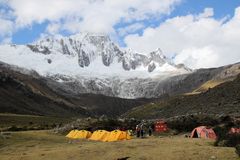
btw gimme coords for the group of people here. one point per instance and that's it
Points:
(141, 130)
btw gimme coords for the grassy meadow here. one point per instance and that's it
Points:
(16, 122)
(39, 145)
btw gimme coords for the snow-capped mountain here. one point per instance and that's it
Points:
(92, 63)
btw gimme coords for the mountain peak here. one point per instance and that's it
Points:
(89, 54)
(160, 53)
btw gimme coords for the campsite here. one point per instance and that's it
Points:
(71, 142)
(39, 145)
(119, 80)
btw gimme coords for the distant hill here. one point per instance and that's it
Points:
(25, 92)
(224, 99)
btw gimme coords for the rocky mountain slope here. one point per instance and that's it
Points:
(195, 82)
(88, 75)
(224, 99)
(92, 63)
(25, 92)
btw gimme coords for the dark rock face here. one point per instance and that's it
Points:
(126, 65)
(37, 49)
(151, 67)
(49, 61)
(64, 48)
(159, 58)
(83, 59)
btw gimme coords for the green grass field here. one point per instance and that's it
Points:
(17, 122)
(39, 145)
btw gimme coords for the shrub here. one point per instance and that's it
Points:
(14, 128)
(232, 140)
(188, 123)
(225, 138)
(238, 149)
(221, 133)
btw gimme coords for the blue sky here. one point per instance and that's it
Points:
(199, 33)
(221, 8)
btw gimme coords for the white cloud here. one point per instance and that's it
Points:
(6, 30)
(208, 12)
(192, 37)
(87, 15)
(5, 27)
(53, 28)
(198, 40)
(198, 57)
(130, 29)
(6, 40)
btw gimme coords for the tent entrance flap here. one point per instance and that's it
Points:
(195, 134)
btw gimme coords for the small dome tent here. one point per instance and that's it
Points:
(117, 135)
(203, 132)
(99, 135)
(82, 134)
(71, 134)
(76, 134)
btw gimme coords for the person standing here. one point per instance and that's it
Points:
(142, 130)
(150, 130)
(138, 131)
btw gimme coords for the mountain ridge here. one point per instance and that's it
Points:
(22, 93)
(92, 63)
(93, 53)
(223, 100)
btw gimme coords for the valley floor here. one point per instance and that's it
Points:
(39, 145)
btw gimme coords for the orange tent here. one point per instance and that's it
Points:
(203, 132)
(99, 135)
(117, 135)
(82, 134)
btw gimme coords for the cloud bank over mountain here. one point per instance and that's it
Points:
(195, 39)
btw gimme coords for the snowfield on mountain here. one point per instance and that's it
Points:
(92, 63)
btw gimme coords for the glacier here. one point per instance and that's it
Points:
(92, 63)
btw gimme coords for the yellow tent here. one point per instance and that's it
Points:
(99, 135)
(71, 134)
(117, 135)
(82, 134)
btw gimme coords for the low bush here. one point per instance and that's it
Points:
(226, 139)
(238, 149)
(188, 123)
(14, 128)
(232, 140)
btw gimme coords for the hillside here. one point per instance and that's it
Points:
(224, 99)
(25, 92)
